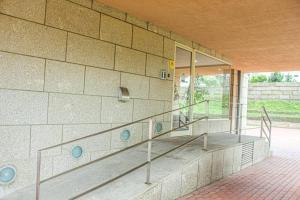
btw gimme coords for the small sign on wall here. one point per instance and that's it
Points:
(171, 64)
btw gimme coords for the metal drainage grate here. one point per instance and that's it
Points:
(247, 153)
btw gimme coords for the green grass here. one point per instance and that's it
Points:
(278, 110)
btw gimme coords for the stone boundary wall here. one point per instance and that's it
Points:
(274, 91)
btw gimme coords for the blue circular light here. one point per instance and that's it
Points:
(77, 151)
(7, 174)
(125, 135)
(158, 127)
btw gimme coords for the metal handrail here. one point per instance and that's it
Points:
(121, 126)
(149, 140)
(264, 116)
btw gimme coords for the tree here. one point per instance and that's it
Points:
(276, 77)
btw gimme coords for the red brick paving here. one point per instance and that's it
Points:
(276, 178)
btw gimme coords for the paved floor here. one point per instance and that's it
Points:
(273, 179)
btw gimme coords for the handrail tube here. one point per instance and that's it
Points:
(267, 115)
(118, 127)
(266, 134)
(117, 152)
(133, 169)
(264, 120)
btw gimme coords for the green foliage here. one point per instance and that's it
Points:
(276, 77)
(289, 78)
(258, 79)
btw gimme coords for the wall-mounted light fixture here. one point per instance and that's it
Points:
(8, 174)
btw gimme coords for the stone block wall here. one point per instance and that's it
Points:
(274, 91)
(61, 63)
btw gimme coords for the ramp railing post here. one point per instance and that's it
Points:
(261, 123)
(149, 151)
(38, 176)
(207, 125)
(240, 122)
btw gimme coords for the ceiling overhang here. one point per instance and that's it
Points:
(255, 35)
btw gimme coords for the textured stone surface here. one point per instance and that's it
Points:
(44, 136)
(21, 72)
(155, 65)
(68, 109)
(96, 143)
(114, 111)
(138, 22)
(64, 77)
(129, 60)
(217, 165)
(237, 159)
(159, 30)
(88, 51)
(182, 40)
(136, 134)
(171, 187)
(72, 17)
(138, 86)
(33, 10)
(169, 48)
(101, 82)
(147, 41)
(259, 151)
(15, 141)
(29, 38)
(20, 107)
(108, 10)
(160, 89)
(228, 161)
(116, 31)
(86, 3)
(146, 108)
(205, 166)
(189, 178)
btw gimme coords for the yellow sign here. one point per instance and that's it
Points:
(171, 64)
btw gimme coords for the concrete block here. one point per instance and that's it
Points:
(88, 51)
(237, 159)
(100, 7)
(168, 107)
(153, 193)
(147, 41)
(44, 136)
(15, 142)
(145, 108)
(21, 72)
(64, 77)
(114, 111)
(101, 82)
(155, 65)
(205, 167)
(72, 17)
(115, 31)
(20, 107)
(71, 109)
(138, 86)
(138, 22)
(228, 161)
(31, 39)
(92, 144)
(160, 89)
(217, 165)
(129, 60)
(259, 151)
(182, 40)
(171, 186)
(86, 3)
(136, 134)
(32, 10)
(159, 30)
(169, 48)
(189, 178)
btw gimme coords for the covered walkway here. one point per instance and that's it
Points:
(275, 178)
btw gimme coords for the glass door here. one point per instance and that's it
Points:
(182, 90)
